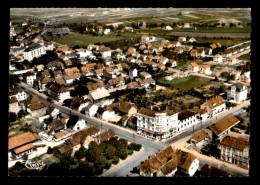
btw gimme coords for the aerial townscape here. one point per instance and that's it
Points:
(129, 92)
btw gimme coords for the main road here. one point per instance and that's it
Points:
(150, 147)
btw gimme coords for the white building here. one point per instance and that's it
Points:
(106, 31)
(168, 28)
(15, 91)
(91, 110)
(75, 123)
(36, 50)
(237, 92)
(214, 106)
(29, 78)
(133, 73)
(145, 75)
(156, 125)
(218, 58)
(186, 119)
(58, 92)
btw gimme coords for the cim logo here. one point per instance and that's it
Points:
(32, 165)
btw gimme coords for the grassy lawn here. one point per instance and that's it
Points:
(216, 30)
(245, 57)
(186, 83)
(223, 42)
(18, 29)
(86, 39)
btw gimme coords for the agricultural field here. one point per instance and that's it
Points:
(186, 83)
(245, 57)
(86, 39)
(223, 42)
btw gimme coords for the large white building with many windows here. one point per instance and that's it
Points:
(156, 125)
(35, 50)
(237, 92)
(187, 119)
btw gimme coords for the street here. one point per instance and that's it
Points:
(150, 147)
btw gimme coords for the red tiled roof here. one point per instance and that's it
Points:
(234, 142)
(24, 148)
(22, 139)
(200, 136)
(59, 134)
(224, 124)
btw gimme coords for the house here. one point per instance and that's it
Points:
(65, 149)
(52, 111)
(218, 58)
(60, 80)
(222, 127)
(54, 126)
(178, 50)
(164, 163)
(213, 46)
(173, 63)
(23, 144)
(182, 39)
(235, 150)
(161, 66)
(125, 108)
(91, 109)
(156, 125)
(109, 72)
(214, 106)
(144, 83)
(191, 40)
(78, 103)
(98, 95)
(237, 92)
(132, 122)
(194, 53)
(187, 163)
(205, 69)
(67, 62)
(186, 119)
(116, 82)
(105, 52)
(199, 138)
(85, 136)
(201, 53)
(105, 113)
(71, 78)
(145, 75)
(62, 48)
(245, 78)
(58, 92)
(208, 51)
(106, 135)
(72, 70)
(227, 53)
(193, 67)
(98, 86)
(149, 63)
(168, 28)
(202, 115)
(35, 106)
(75, 123)
(211, 171)
(41, 82)
(133, 73)
(164, 60)
(145, 39)
(167, 162)
(128, 29)
(16, 91)
(133, 85)
(131, 51)
(33, 51)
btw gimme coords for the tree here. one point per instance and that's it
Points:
(86, 168)
(25, 157)
(49, 150)
(110, 152)
(115, 160)
(94, 152)
(37, 126)
(223, 24)
(12, 116)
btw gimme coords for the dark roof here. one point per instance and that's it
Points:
(58, 88)
(82, 134)
(146, 111)
(208, 170)
(56, 125)
(64, 149)
(77, 101)
(185, 114)
(123, 106)
(72, 120)
(106, 135)
(234, 142)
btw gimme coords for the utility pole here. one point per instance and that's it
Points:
(134, 137)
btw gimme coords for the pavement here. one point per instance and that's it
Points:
(150, 147)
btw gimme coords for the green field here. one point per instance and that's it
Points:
(245, 57)
(216, 30)
(223, 42)
(86, 39)
(18, 29)
(185, 83)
